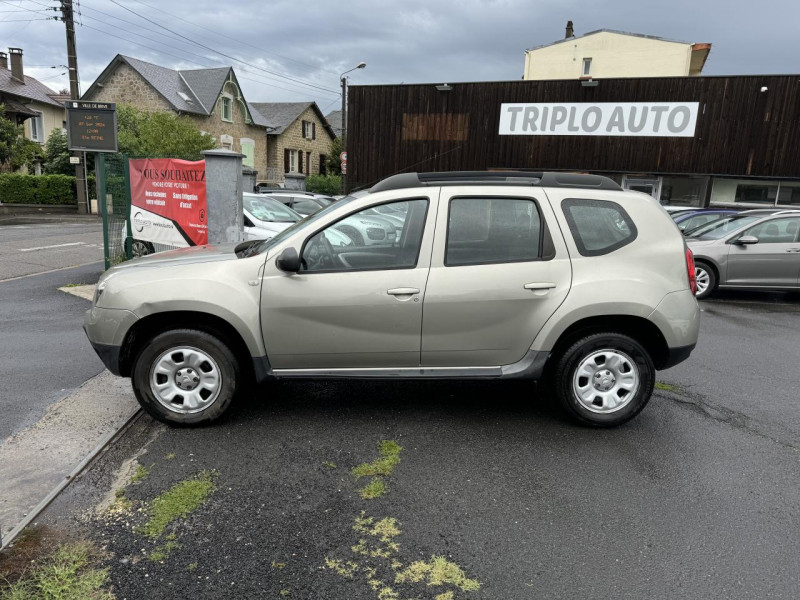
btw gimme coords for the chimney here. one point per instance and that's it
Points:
(570, 31)
(3, 61)
(16, 64)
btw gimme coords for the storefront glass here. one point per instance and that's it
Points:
(755, 192)
(683, 191)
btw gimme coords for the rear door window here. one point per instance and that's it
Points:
(492, 230)
(598, 226)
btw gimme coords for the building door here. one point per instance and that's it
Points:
(651, 187)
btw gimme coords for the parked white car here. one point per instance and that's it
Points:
(264, 217)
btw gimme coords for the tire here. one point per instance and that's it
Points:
(195, 368)
(706, 274)
(604, 379)
(141, 248)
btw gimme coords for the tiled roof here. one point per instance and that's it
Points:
(191, 91)
(281, 114)
(335, 119)
(32, 89)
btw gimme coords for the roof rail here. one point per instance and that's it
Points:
(788, 211)
(519, 178)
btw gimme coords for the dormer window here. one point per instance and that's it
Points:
(185, 97)
(227, 109)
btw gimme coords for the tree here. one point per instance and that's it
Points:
(15, 149)
(143, 133)
(56, 155)
(334, 162)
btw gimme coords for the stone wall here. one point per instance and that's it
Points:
(292, 138)
(126, 86)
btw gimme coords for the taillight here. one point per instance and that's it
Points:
(690, 271)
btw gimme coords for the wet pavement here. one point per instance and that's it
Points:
(696, 498)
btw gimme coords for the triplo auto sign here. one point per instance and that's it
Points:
(642, 119)
(168, 201)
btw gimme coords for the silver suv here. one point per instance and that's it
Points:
(494, 275)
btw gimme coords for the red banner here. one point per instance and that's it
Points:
(168, 201)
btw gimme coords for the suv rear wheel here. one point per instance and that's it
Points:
(185, 377)
(604, 379)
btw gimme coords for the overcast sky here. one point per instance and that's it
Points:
(291, 51)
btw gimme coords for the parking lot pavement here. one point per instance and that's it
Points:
(693, 499)
(28, 246)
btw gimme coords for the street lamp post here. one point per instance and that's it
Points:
(343, 79)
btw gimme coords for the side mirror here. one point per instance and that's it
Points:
(288, 261)
(746, 240)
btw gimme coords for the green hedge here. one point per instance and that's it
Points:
(16, 188)
(324, 184)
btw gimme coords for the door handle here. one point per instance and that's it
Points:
(539, 286)
(402, 291)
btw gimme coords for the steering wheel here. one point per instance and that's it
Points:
(320, 254)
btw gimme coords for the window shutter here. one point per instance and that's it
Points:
(308, 163)
(285, 160)
(299, 161)
(313, 131)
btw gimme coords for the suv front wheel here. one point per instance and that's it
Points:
(185, 377)
(604, 379)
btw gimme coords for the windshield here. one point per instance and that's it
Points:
(265, 208)
(265, 245)
(719, 229)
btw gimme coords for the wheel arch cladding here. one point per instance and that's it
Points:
(147, 327)
(640, 329)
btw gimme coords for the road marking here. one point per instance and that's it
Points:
(53, 246)
(97, 262)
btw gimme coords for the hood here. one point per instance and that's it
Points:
(182, 256)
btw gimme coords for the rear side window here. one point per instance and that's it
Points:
(492, 230)
(598, 226)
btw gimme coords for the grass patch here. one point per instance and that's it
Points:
(373, 489)
(72, 285)
(170, 456)
(329, 464)
(141, 473)
(178, 502)
(160, 553)
(445, 596)
(667, 387)
(438, 571)
(192, 566)
(384, 465)
(344, 568)
(67, 574)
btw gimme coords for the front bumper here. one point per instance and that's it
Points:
(106, 329)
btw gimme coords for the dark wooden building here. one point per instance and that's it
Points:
(743, 145)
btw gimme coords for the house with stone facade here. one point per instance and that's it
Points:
(299, 139)
(28, 101)
(212, 98)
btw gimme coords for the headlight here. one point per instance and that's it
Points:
(99, 292)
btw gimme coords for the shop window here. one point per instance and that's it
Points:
(756, 193)
(789, 193)
(683, 191)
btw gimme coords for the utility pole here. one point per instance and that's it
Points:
(344, 130)
(74, 94)
(343, 78)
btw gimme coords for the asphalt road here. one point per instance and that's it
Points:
(696, 498)
(44, 354)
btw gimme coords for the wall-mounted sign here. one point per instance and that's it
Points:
(168, 201)
(92, 126)
(636, 119)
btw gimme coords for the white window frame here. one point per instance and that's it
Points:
(293, 161)
(248, 161)
(586, 67)
(39, 137)
(229, 101)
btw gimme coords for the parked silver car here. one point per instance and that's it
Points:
(495, 275)
(751, 250)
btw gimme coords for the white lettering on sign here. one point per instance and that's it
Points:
(638, 119)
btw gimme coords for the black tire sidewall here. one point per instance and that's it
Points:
(577, 352)
(214, 347)
(712, 279)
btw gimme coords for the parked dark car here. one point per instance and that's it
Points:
(688, 221)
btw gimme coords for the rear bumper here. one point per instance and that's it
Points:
(677, 355)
